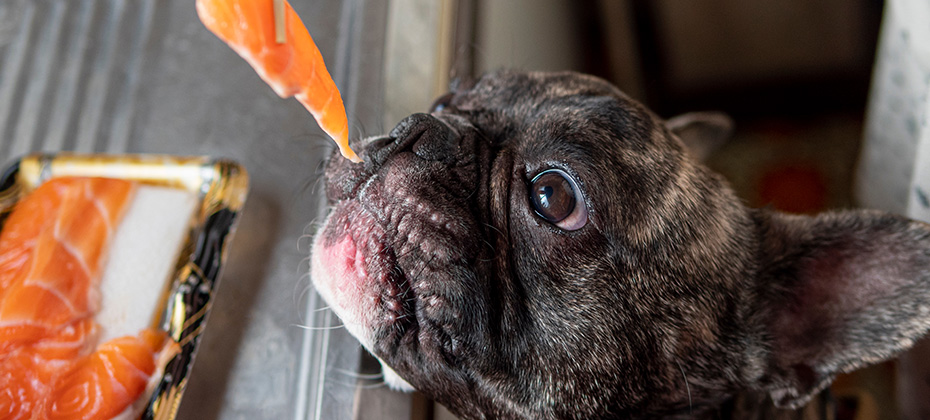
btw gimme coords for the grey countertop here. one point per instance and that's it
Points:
(145, 76)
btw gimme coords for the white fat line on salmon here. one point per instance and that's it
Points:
(18, 322)
(95, 200)
(126, 363)
(82, 261)
(55, 292)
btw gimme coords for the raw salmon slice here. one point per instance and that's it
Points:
(102, 384)
(28, 373)
(52, 250)
(22, 229)
(292, 68)
(55, 282)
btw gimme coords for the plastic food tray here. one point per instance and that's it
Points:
(221, 187)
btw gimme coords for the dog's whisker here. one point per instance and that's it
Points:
(494, 228)
(404, 254)
(358, 375)
(424, 266)
(309, 328)
(298, 297)
(313, 227)
(375, 385)
(307, 238)
(687, 386)
(357, 385)
(318, 182)
(303, 268)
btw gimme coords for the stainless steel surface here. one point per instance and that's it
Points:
(145, 76)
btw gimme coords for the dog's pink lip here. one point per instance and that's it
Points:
(355, 271)
(344, 260)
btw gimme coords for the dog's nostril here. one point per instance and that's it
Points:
(377, 149)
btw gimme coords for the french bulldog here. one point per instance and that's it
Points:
(541, 246)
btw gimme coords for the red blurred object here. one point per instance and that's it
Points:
(796, 188)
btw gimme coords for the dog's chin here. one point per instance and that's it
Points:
(355, 270)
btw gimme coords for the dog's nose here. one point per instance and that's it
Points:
(426, 136)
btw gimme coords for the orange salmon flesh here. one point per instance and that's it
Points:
(292, 68)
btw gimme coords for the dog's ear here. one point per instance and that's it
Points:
(838, 291)
(702, 132)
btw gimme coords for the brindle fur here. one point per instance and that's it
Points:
(673, 300)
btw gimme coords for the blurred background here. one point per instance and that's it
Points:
(793, 74)
(799, 78)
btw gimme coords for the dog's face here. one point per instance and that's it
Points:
(541, 246)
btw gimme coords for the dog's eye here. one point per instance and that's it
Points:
(556, 198)
(441, 103)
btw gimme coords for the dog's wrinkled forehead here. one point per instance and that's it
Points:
(509, 89)
(511, 105)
